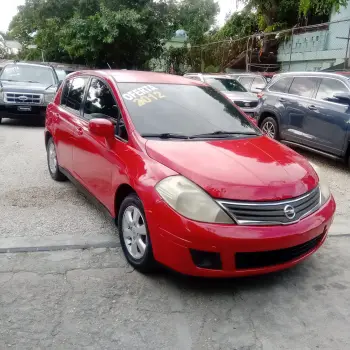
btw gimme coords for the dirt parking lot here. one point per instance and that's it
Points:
(92, 299)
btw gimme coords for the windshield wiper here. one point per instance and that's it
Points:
(8, 80)
(223, 134)
(166, 135)
(31, 81)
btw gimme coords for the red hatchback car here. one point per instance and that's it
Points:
(190, 181)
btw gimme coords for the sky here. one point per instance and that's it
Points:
(9, 9)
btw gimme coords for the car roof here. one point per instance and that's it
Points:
(29, 64)
(208, 75)
(130, 76)
(313, 74)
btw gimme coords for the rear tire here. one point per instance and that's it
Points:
(270, 127)
(134, 236)
(0, 120)
(52, 161)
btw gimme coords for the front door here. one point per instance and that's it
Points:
(328, 120)
(95, 162)
(299, 108)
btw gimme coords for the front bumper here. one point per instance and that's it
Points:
(22, 111)
(174, 237)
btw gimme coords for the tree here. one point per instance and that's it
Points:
(279, 14)
(123, 33)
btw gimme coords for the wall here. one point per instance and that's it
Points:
(317, 50)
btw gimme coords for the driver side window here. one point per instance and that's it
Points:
(100, 103)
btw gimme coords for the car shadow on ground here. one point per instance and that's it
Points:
(29, 122)
(208, 286)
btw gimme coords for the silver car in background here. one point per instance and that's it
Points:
(231, 88)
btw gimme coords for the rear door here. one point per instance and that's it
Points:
(299, 106)
(328, 119)
(65, 117)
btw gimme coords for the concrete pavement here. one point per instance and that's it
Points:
(91, 299)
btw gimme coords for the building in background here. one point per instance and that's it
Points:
(321, 47)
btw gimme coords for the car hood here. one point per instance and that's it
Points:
(240, 96)
(254, 169)
(12, 86)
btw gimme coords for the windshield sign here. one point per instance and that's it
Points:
(223, 84)
(30, 74)
(186, 110)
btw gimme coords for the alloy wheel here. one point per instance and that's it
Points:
(269, 129)
(134, 232)
(52, 158)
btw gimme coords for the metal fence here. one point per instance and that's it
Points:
(311, 48)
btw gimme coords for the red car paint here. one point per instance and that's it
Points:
(250, 169)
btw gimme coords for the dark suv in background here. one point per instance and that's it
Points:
(310, 110)
(26, 89)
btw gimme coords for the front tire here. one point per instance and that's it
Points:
(134, 236)
(52, 161)
(270, 127)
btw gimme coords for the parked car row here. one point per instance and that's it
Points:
(231, 88)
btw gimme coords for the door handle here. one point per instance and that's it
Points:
(312, 108)
(56, 117)
(80, 131)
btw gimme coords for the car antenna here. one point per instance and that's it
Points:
(109, 66)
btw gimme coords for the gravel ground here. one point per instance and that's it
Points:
(32, 204)
(91, 299)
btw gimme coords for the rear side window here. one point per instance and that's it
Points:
(281, 85)
(73, 93)
(303, 86)
(246, 82)
(258, 83)
(329, 87)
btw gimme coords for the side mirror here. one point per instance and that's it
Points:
(342, 97)
(102, 127)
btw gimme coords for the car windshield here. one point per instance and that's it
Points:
(184, 110)
(27, 73)
(224, 84)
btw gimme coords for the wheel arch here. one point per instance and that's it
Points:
(266, 114)
(48, 135)
(121, 193)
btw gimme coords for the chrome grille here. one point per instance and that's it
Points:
(273, 213)
(23, 98)
(246, 104)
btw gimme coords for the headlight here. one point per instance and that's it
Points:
(49, 97)
(191, 201)
(323, 183)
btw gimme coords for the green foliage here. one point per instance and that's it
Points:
(320, 7)
(240, 24)
(124, 33)
(212, 69)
